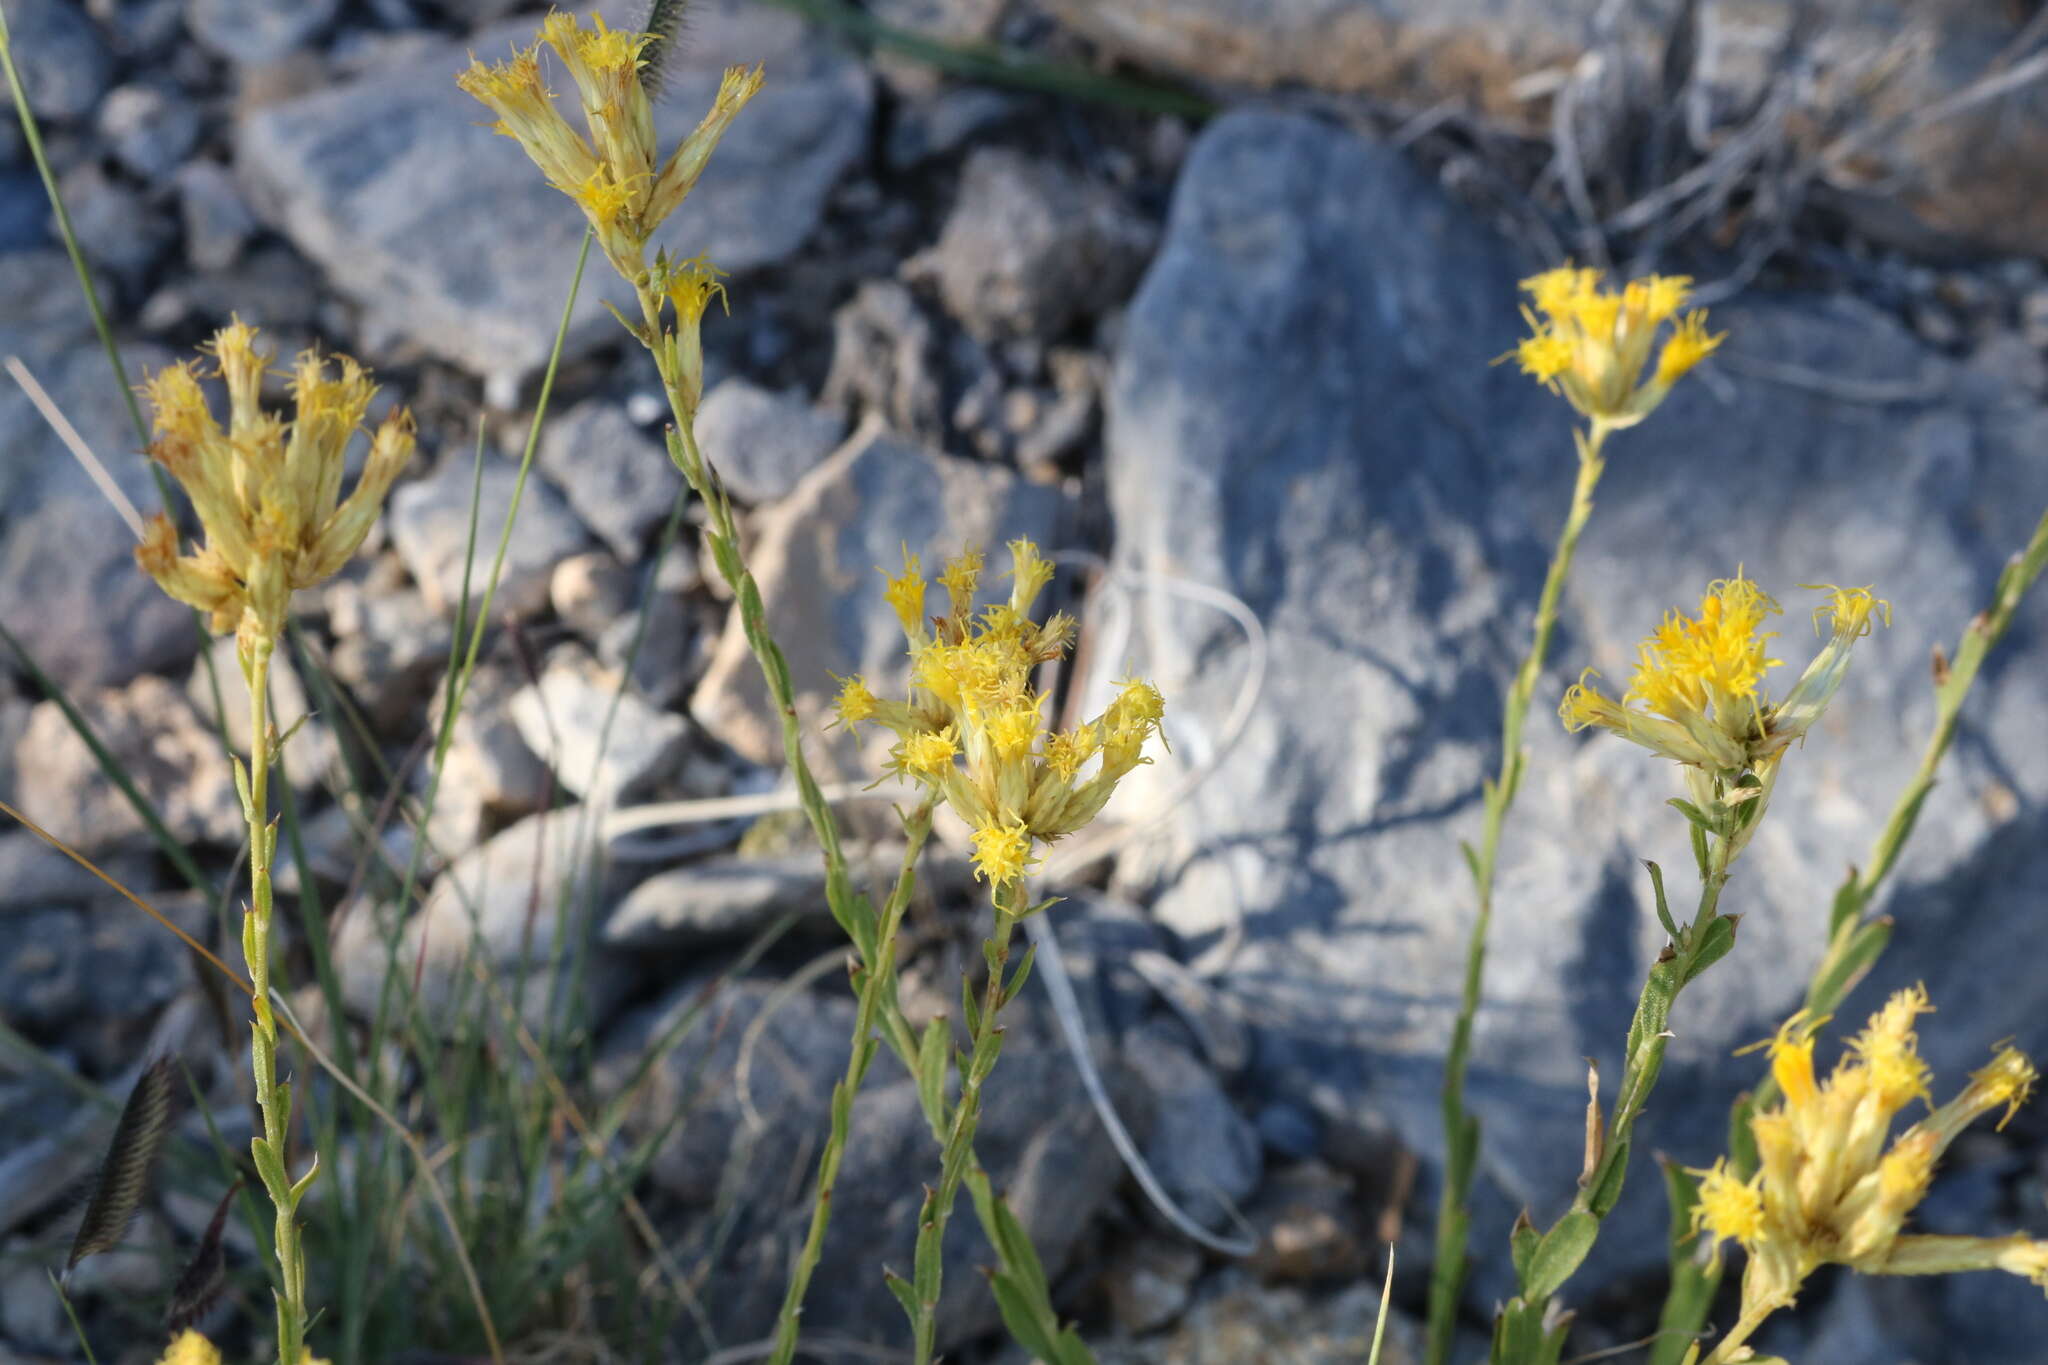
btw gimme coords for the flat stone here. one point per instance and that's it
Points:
(94, 979)
(115, 227)
(603, 741)
(218, 224)
(1205, 1153)
(816, 558)
(394, 185)
(1038, 1137)
(762, 442)
(389, 646)
(590, 591)
(251, 32)
(429, 522)
(173, 759)
(665, 658)
(523, 900)
(617, 477)
(69, 587)
(1391, 533)
(491, 775)
(63, 57)
(150, 129)
(1240, 1322)
(728, 897)
(1029, 247)
(717, 900)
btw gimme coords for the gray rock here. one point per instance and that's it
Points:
(116, 228)
(1240, 1322)
(217, 223)
(394, 185)
(816, 561)
(429, 522)
(923, 130)
(1038, 1137)
(251, 32)
(1029, 248)
(603, 741)
(64, 62)
(732, 896)
(590, 592)
(150, 129)
(1205, 1153)
(884, 360)
(521, 902)
(717, 900)
(308, 753)
(1302, 414)
(491, 775)
(760, 442)
(337, 850)
(94, 978)
(617, 477)
(69, 588)
(33, 875)
(174, 760)
(389, 646)
(665, 658)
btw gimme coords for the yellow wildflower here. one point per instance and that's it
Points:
(267, 493)
(1592, 346)
(1828, 1188)
(1700, 681)
(189, 1348)
(1729, 1209)
(1002, 852)
(613, 169)
(856, 703)
(972, 699)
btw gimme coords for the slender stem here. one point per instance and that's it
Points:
(984, 1043)
(273, 1099)
(1461, 1128)
(1740, 1333)
(876, 980)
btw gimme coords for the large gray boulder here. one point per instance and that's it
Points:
(1303, 413)
(395, 186)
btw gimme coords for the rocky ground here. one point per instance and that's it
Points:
(1246, 351)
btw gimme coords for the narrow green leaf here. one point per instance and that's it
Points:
(1842, 970)
(1472, 862)
(905, 1294)
(1018, 1317)
(931, 1067)
(1663, 906)
(1712, 947)
(1607, 1191)
(271, 1169)
(1560, 1253)
(1014, 1244)
(1522, 1242)
(1741, 1141)
(1021, 975)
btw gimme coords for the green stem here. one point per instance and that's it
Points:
(272, 1098)
(984, 1044)
(1461, 1128)
(876, 982)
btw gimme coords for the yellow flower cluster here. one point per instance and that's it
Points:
(1699, 680)
(1592, 346)
(192, 1348)
(973, 729)
(268, 494)
(1830, 1188)
(616, 174)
